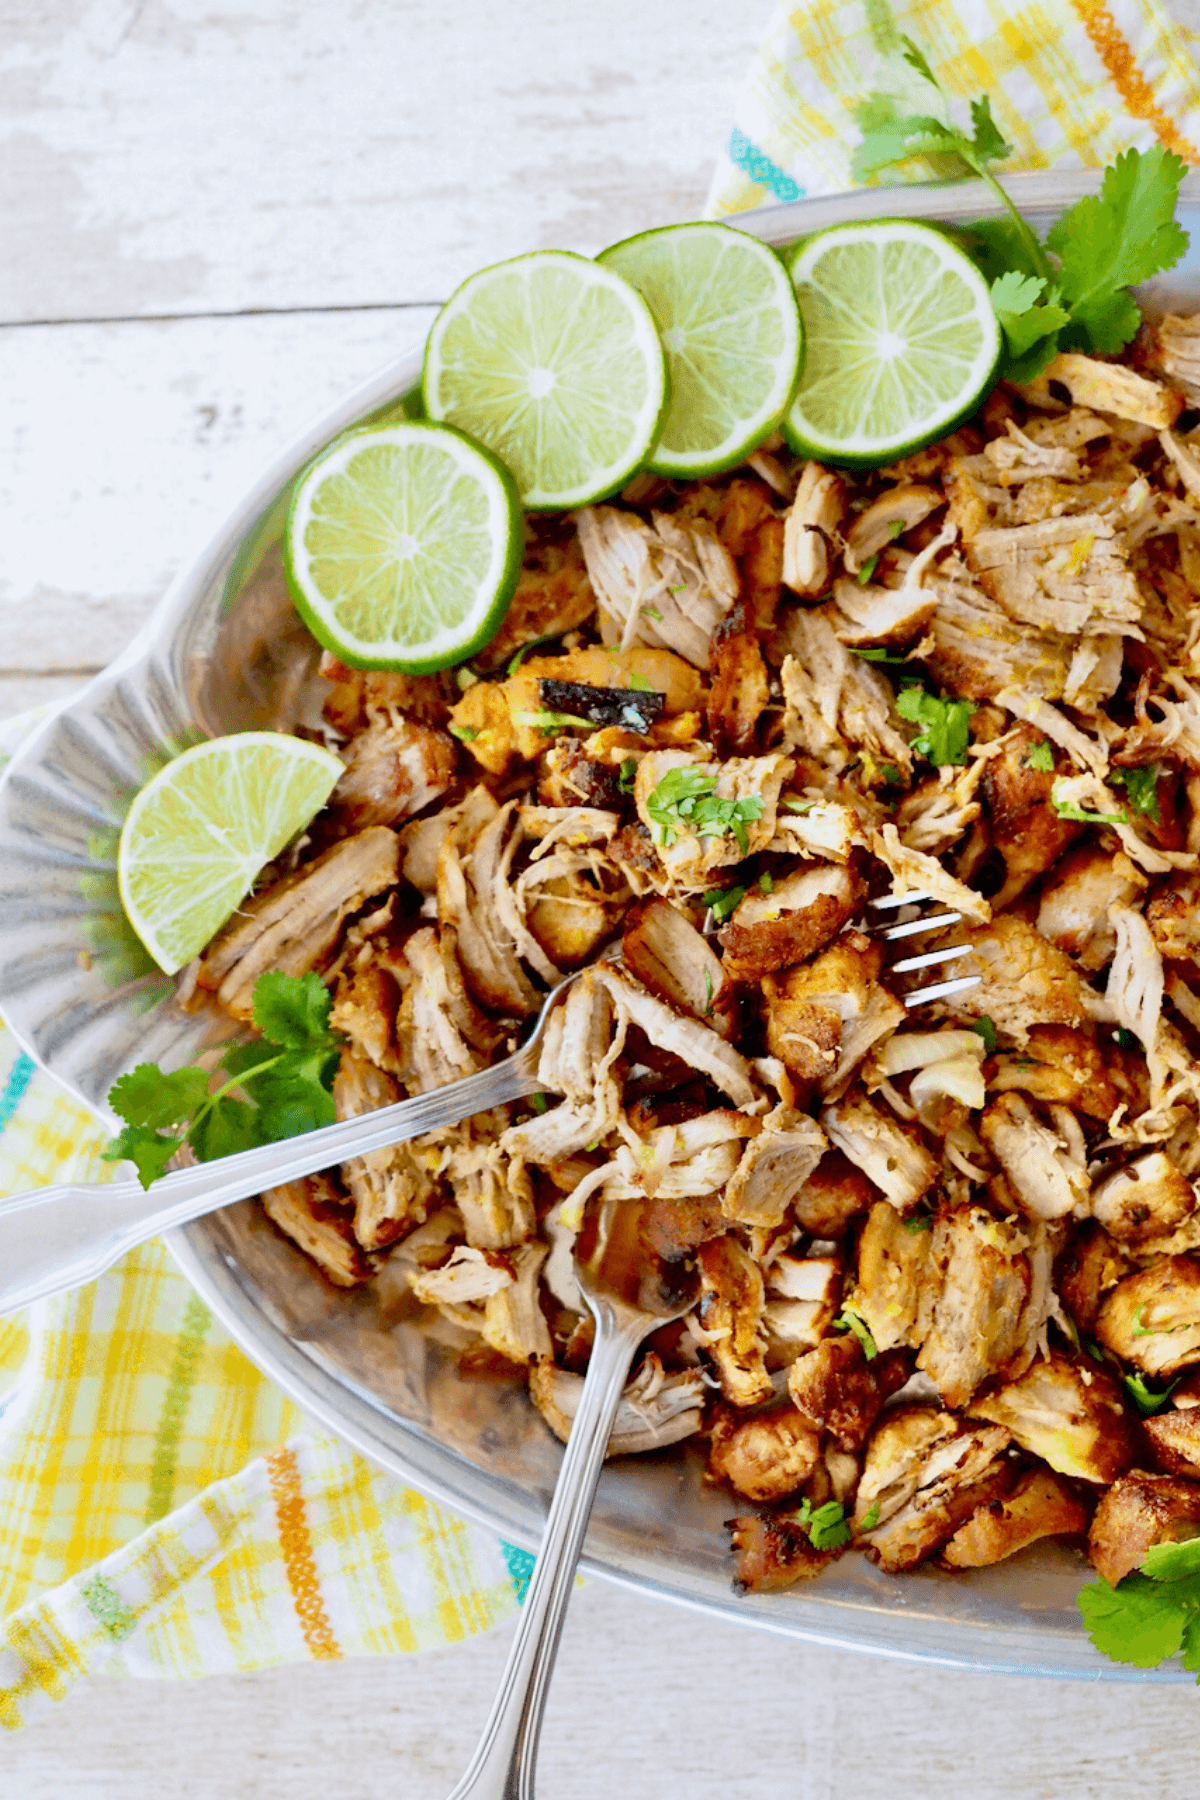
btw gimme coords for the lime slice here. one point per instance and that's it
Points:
(403, 547)
(729, 321)
(556, 365)
(200, 830)
(900, 341)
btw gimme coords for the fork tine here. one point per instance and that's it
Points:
(893, 900)
(930, 958)
(916, 925)
(941, 989)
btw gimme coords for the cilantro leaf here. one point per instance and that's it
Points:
(1067, 809)
(1148, 1400)
(944, 733)
(1041, 756)
(148, 1097)
(1173, 1562)
(1110, 241)
(626, 777)
(149, 1151)
(1030, 325)
(870, 1517)
(826, 1525)
(986, 1028)
(1142, 787)
(223, 1128)
(293, 1011)
(688, 797)
(1134, 1622)
(723, 901)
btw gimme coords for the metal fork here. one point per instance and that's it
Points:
(53, 1239)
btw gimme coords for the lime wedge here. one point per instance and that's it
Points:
(901, 342)
(403, 547)
(200, 830)
(729, 321)
(556, 365)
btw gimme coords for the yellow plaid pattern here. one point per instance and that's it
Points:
(164, 1511)
(1072, 82)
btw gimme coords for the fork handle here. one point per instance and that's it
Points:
(502, 1767)
(56, 1238)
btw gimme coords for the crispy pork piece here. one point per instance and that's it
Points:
(655, 1409)
(1077, 897)
(809, 1006)
(834, 1388)
(1071, 1414)
(1152, 1319)
(871, 615)
(802, 1296)
(934, 816)
(1173, 915)
(693, 1042)
(1026, 981)
(314, 1214)
(357, 695)
(1109, 388)
(730, 1313)
(1183, 458)
(676, 962)
(924, 1475)
(294, 925)
(1148, 1198)
(831, 1196)
(810, 527)
(364, 1010)
(1175, 1437)
(890, 1154)
(823, 828)
(1024, 827)
(1041, 1505)
(1062, 1066)
(836, 704)
(765, 1458)
(773, 1552)
(740, 688)
(774, 1167)
(1138, 1512)
(976, 1330)
(393, 769)
(978, 651)
(583, 1038)
(686, 1161)
(392, 1189)
(687, 853)
(493, 1193)
(439, 1033)
(799, 916)
(1175, 351)
(896, 1285)
(665, 584)
(1047, 1166)
(1017, 458)
(914, 872)
(472, 864)
(1088, 1266)
(880, 524)
(513, 1321)
(553, 595)
(467, 1277)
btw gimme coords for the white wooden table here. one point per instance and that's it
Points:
(214, 220)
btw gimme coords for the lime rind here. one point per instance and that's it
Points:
(909, 286)
(403, 547)
(730, 323)
(199, 832)
(555, 365)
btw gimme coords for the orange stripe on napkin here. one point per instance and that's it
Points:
(1112, 47)
(296, 1545)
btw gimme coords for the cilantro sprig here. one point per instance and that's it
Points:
(1142, 787)
(275, 1089)
(1152, 1614)
(827, 1526)
(1071, 292)
(688, 797)
(944, 724)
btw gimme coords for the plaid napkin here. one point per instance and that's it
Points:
(164, 1510)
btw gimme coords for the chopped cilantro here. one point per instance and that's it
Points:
(944, 724)
(878, 653)
(723, 901)
(626, 777)
(1152, 1614)
(276, 1089)
(1041, 756)
(687, 796)
(1067, 809)
(1148, 1400)
(1142, 787)
(789, 803)
(895, 527)
(649, 612)
(766, 883)
(468, 733)
(708, 993)
(918, 1222)
(552, 721)
(826, 1525)
(538, 1103)
(595, 1143)
(868, 569)
(848, 1320)
(870, 1518)
(986, 1027)
(640, 683)
(465, 678)
(1128, 1040)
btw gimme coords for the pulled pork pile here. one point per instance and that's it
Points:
(950, 1260)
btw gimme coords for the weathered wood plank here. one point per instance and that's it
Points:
(122, 447)
(175, 158)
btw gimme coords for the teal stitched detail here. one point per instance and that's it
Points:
(19, 1077)
(116, 1620)
(759, 167)
(520, 1567)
